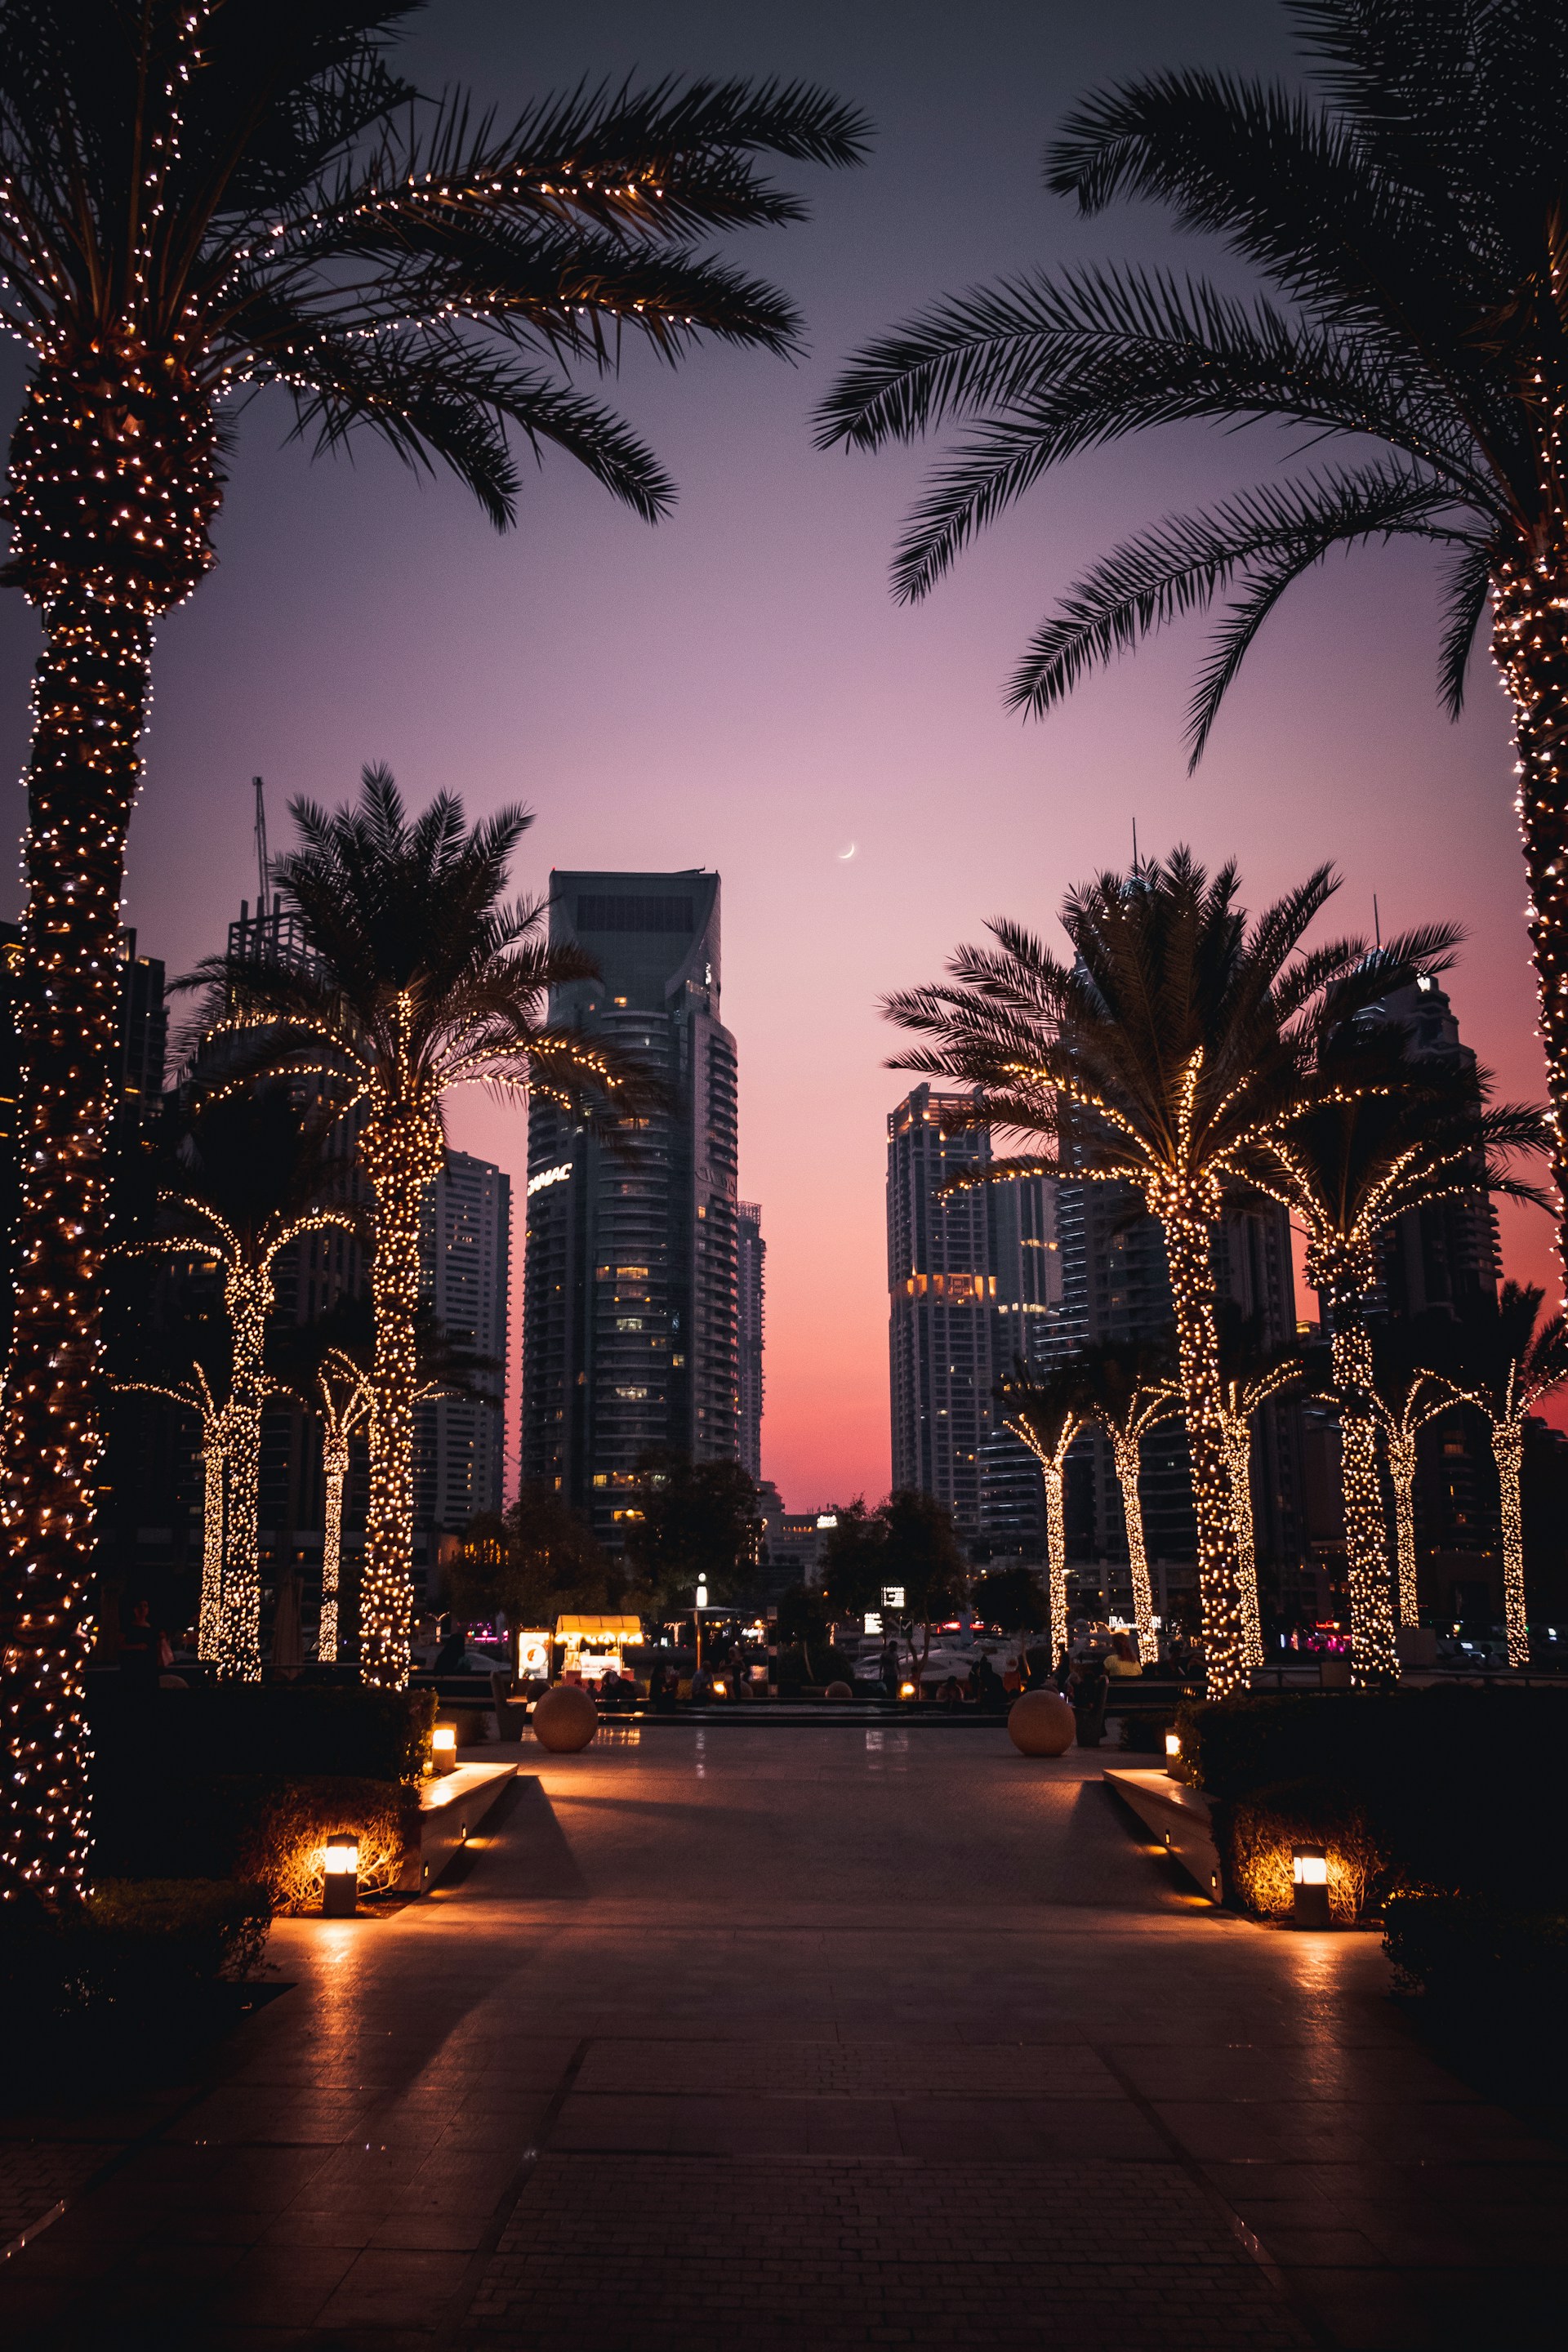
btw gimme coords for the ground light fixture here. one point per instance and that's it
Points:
(444, 1747)
(1310, 1873)
(1173, 1745)
(906, 1690)
(340, 1889)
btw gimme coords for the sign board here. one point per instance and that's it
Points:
(892, 1596)
(873, 1620)
(533, 1655)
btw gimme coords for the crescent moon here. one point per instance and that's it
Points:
(846, 854)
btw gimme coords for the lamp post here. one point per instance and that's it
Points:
(1310, 1871)
(339, 1890)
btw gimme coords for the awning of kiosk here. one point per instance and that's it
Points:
(608, 1632)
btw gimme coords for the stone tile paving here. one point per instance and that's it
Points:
(772, 2038)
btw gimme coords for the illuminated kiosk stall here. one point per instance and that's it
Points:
(595, 1646)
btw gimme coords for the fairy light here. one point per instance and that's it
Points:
(1342, 1268)
(1127, 1455)
(195, 1396)
(1507, 1410)
(1423, 1399)
(1243, 1399)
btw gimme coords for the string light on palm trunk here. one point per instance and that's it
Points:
(1191, 1266)
(344, 1402)
(1374, 1655)
(1126, 1452)
(1508, 1451)
(1402, 1478)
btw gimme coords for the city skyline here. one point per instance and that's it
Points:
(736, 690)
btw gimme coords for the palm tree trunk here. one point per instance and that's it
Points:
(89, 700)
(1125, 1452)
(209, 1623)
(247, 1297)
(1374, 1656)
(1057, 1547)
(1197, 1346)
(1508, 1451)
(1401, 1476)
(1530, 645)
(402, 1157)
(1238, 1458)
(335, 1464)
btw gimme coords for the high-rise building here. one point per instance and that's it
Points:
(973, 1284)
(631, 1317)
(465, 1271)
(751, 1253)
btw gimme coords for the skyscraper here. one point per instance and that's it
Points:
(750, 1256)
(972, 1283)
(630, 1277)
(465, 1269)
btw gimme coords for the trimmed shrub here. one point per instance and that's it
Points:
(283, 1845)
(202, 1927)
(1470, 1950)
(134, 1953)
(1255, 1834)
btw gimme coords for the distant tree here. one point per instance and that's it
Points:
(855, 1562)
(537, 1561)
(1011, 1598)
(922, 1555)
(1130, 1390)
(803, 1623)
(699, 1525)
(1048, 1414)
(1251, 1375)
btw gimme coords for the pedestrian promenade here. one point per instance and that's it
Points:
(842, 2038)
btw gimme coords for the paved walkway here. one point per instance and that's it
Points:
(757, 2039)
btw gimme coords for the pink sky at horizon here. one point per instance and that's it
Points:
(736, 690)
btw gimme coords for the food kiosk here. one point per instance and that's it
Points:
(595, 1646)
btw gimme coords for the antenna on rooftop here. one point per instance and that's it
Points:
(262, 898)
(1376, 923)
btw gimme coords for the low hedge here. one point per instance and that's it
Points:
(300, 1729)
(258, 1827)
(1472, 1949)
(132, 1953)
(1256, 1835)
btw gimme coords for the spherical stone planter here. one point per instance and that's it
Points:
(839, 1690)
(564, 1718)
(1041, 1723)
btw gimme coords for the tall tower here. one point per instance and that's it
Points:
(630, 1275)
(465, 1270)
(750, 1256)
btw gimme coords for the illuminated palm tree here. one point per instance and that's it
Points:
(1511, 1362)
(1403, 1403)
(1128, 1390)
(1249, 1379)
(253, 1172)
(1178, 1034)
(417, 979)
(1399, 1134)
(342, 1400)
(193, 1395)
(198, 202)
(1049, 1415)
(1411, 234)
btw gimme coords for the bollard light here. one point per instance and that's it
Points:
(1309, 1872)
(720, 1690)
(906, 1690)
(444, 1747)
(1173, 1745)
(339, 1891)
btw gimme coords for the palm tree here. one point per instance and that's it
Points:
(1128, 1390)
(1250, 1378)
(1403, 1403)
(342, 1400)
(1390, 1136)
(417, 979)
(253, 1174)
(1412, 234)
(1178, 1033)
(193, 1395)
(1049, 1415)
(1510, 1361)
(199, 203)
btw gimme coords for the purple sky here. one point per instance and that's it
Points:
(735, 689)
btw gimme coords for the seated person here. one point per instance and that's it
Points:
(1123, 1657)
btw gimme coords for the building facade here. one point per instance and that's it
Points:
(465, 1272)
(973, 1284)
(631, 1274)
(750, 1257)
